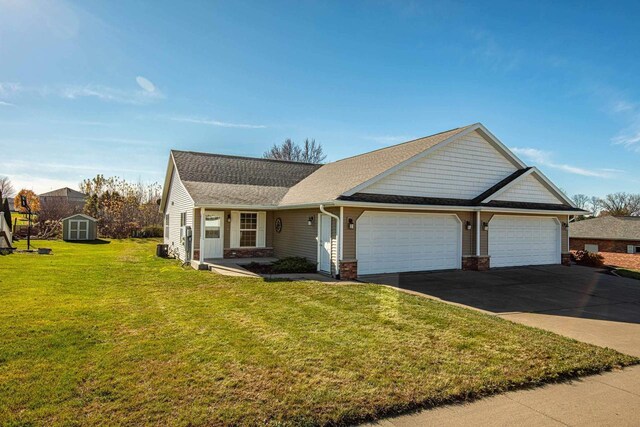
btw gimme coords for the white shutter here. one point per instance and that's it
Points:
(262, 227)
(235, 229)
(631, 249)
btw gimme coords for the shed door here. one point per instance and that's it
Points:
(391, 242)
(523, 240)
(78, 229)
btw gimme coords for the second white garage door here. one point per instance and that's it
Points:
(388, 242)
(518, 240)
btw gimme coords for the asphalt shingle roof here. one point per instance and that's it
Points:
(64, 192)
(607, 227)
(214, 179)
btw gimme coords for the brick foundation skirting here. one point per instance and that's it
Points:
(604, 245)
(247, 252)
(348, 270)
(476, 263)
(566, 259)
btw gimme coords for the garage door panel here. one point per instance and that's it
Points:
(517, 241)
(395, 242)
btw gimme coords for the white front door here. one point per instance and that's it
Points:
(324, 240)
(393, 242)
(212, 234)
(523, 240)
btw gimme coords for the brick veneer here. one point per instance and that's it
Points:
(566, 259)
(604, 245)
(348, 269)
(247, 252)
(196, 254)
(477, 263)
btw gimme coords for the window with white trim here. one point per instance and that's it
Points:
(166, 225)
(183, 222)
(248, 229)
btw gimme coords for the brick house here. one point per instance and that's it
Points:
(619, 234)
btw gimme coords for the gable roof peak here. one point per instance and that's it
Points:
(231, 156)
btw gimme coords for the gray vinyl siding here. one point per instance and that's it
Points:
(297, 237)
(178, 201)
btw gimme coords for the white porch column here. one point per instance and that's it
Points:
(478, 226)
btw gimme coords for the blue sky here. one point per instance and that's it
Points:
(109, 87)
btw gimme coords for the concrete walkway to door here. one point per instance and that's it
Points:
(587, 304)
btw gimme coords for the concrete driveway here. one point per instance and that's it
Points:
(584, 303)
(587, 304)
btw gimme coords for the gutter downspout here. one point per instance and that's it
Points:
(338, 237)
(478, 225)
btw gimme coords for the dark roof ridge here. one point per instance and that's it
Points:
(500, 185)
(231, 156)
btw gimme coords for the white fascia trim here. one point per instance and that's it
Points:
(171, 167)
(392, 206)
(495, 140)
(509, 185)
(412, 159)
(82, 215)
(264, 207)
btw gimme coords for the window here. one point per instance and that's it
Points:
(183, 222)
(166, 225)
(212, 225)
(248, 229)
(638, 249)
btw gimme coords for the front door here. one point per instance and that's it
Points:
(324, 240)
(212, 234)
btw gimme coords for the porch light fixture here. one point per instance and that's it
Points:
(310, 220)
(468, 225)
(485, 226)
(228, 217)
(350, 223)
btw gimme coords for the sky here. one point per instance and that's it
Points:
(109, 87)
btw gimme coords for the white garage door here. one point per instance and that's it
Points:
(517, 240)
(388, 242)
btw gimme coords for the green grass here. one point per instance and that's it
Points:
(108, 334)
(627, 272)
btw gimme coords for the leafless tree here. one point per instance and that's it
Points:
(6, 187)
(620, 204)
(581, 201)
(309, 152)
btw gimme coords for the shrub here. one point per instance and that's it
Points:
(589, 259)
(151, 231)
(293, 265)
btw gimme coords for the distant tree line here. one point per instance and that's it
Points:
(616, 204)
(123, 209)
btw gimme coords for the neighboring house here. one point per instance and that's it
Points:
(79, 227)
(459, 199)
(607, 234)
(64, 195)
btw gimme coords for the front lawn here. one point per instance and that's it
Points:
(107, 334)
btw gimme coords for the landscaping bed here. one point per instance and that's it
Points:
(291, 265)
(626, 272)
(111, 334)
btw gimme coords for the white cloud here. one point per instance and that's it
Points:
(73, 91)
(217, 123)
(145, 84)
(544, 158)
(6, 104)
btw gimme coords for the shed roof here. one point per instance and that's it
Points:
(607, 227)
(83, 216)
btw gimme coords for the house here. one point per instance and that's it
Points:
(64, 195)
(607, 234)
(458, 199)
(79, 227)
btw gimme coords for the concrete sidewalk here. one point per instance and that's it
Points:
(610, 399)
